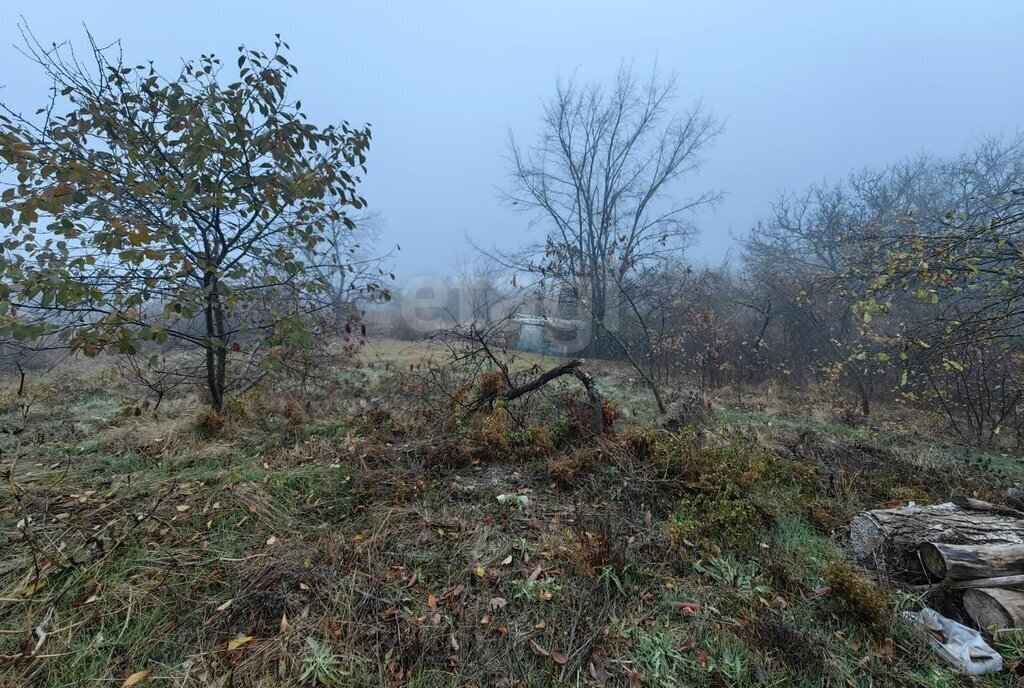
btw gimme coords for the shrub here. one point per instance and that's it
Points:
(564, 469)
(209, 423)
(641, 444)
(856, 597)
(736, 489)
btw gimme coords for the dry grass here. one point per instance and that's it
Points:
(346, 534)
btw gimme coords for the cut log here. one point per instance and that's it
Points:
(997, 582)
(995, 608)
(886, 540)
(966, 562)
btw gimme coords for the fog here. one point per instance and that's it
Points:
(807, 90)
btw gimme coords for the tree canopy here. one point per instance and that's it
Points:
(142, 208)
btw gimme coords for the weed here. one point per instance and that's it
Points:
(538, 590)
(642, 444)
(320, 666)
(565, 468)
(209, 423)
(856, 597)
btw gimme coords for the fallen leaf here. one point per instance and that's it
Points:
(598, 672)
(559, 658)
(507, 560)
(239, 642)
(34, 587)
(272, 540)
(688, 607)
(136, 678)
(225, 605)
(497, 603)
(183, 507)
(885, 649)
(284, 622)
(432, 601)
(538, 649)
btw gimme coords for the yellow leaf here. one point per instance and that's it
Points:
(34, 587)
(239, 642)
(135, 678)
(225, 605)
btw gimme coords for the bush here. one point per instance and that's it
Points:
(737, 489)
(855, 597)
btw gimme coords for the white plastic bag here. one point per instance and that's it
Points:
(959, 645)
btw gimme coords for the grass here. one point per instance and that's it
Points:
(324, 537)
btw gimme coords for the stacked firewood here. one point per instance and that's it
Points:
(969, 545)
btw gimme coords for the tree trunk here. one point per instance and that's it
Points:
(887, 539)
(995, 608)
(966, 562)
(216, 346)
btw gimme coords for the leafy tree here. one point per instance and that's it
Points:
(142, 210)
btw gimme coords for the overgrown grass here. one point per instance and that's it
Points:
(323, 537)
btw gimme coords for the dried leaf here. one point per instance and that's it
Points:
(239, 642)
(34, 587)
(225, 605)
(688, 607)
(559, 658)
(497, 603)
(537, 649)
(598, 672)
(136, 678)
(432, 601)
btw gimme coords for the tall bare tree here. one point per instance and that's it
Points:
(601, 179)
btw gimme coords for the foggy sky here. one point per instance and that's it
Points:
(809, 90)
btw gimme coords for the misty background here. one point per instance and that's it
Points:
(807, 90)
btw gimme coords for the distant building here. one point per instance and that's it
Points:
(550, 336)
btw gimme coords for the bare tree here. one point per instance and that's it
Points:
(599, 179)
(479, 292)
(347, 260)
